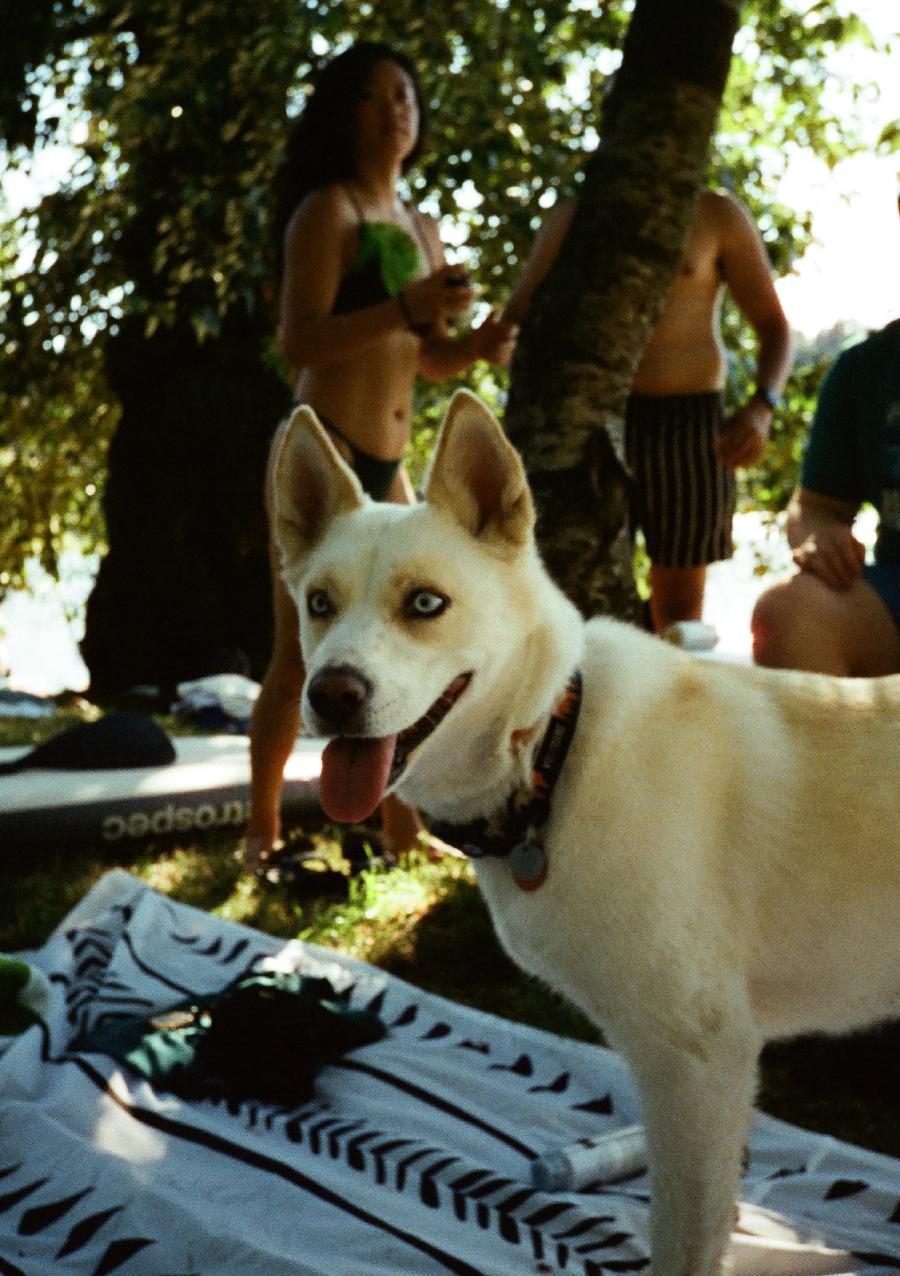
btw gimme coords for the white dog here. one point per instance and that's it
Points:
(719, 861)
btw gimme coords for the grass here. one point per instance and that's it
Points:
(426, 923)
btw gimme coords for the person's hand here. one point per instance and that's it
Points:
(494, 340)
(743, 438)
(444, 294)
(833, 554)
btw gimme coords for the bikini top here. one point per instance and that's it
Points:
(387, 259)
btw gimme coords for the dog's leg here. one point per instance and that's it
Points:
(696, 1103)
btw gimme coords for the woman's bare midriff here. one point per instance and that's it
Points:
(369, 398)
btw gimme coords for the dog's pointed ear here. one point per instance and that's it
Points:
(477, 476)
(311, 485)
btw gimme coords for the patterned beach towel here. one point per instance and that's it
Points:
(412, 1155)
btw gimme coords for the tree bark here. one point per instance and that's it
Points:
(586, 329)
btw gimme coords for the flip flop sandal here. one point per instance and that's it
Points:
(362, 849)
(304, 873)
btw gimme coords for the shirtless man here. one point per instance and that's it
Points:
(681, 451)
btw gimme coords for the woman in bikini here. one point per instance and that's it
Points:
(365, 299)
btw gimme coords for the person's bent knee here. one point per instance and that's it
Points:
(768, 625)
(783, 615)
(801, 623)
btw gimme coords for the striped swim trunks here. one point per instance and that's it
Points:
(682, 499)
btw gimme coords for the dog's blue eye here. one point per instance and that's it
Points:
(318, 604)
(425, 603)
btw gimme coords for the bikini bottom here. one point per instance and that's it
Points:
(374, 474)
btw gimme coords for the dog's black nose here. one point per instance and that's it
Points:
(337, 695)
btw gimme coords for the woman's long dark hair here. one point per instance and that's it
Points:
(320, 147)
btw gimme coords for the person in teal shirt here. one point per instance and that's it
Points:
(838, 614)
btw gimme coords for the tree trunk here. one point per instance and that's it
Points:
(184, 590)
(586, 329)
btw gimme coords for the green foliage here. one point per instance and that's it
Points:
(174, 113)
(768, 485)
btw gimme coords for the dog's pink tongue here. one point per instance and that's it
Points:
(354, 777)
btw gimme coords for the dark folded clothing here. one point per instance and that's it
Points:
(266, 1037)
(119, 740)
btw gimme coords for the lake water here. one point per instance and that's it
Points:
(40, 629)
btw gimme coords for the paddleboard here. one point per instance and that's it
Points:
(206, 790)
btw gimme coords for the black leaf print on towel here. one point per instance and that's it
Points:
(82, 1232)
(119, 1252)
(9, 1200)
(41, 1217)
(845, 1187)
(523, 1067)
(436, 1033)
(600, 1107)
(559, 1086)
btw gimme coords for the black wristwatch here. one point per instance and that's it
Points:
(768, 396)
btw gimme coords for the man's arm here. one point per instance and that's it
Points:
(748, 275)
(443, 356)
(544, 252)
(820, 532)
(494, 340)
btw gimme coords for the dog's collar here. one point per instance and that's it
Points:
(515, 831)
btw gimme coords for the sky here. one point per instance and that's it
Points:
(853, 271)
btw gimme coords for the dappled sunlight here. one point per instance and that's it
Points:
(763, 1239)
(202, 876)
(385, 907)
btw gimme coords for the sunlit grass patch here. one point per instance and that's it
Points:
(385, 906)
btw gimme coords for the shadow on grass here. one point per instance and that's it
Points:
(38, 886)
(845, 1086)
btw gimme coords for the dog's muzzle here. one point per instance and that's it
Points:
(413, 736)
(338, 695)
(357, 769)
